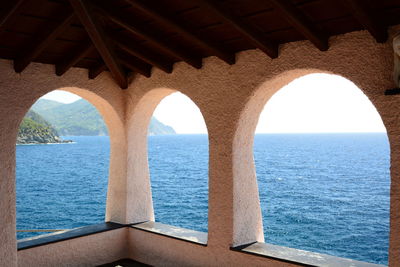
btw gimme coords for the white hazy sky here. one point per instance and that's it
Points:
(313, 103)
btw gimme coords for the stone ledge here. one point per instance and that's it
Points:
(301, 257)
(279, 253)
(66, 235)
(188, 235)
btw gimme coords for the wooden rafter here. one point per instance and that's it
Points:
(130, 24)
(367, 18)
(9, 12)
(96, 70)
(135, 64)
(43, 40)
(159, 33)
(393, 91)
(158, 14)
(130, 47)
(84, 12)
(301, 23)
(251, 34)
(73, 58)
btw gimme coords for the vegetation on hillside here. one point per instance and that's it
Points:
(36, 130)
(156, 128)
(77, 118)
(82, 118)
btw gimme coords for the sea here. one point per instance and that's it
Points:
(327, 193)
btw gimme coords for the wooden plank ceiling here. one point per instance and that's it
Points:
(133, 36)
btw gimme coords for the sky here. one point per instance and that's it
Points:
(319, 103)
(61, 96)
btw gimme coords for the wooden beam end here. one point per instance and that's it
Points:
(169, 69)
(19, 66)
(393, 91)
(231, 59)
(196, 63)
(383, 37)
(59, 70)
(123, 84)
(324, 46)
(273, 52)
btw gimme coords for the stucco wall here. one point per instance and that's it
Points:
(88, 250)
(17, 93)
(230, 99)
(144, 247)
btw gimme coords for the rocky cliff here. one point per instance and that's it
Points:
(36, 130)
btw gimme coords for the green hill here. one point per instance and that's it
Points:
(82, 118)
(156, 128)
(36, 130)
(44, 105)
(77, 118)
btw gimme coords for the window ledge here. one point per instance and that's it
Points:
(298, 256)
(66, 235)
(188, 235)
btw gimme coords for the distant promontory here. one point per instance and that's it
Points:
(36, 130)
(82, 118)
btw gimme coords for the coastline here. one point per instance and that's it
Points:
(33, 144)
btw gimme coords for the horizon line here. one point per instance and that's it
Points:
(367, 132)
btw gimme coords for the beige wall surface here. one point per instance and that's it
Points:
(88, 250)
(17, 93)
(158, 250)
(230, 99)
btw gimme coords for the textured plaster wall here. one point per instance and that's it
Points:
(89, 250)
(17, 93)
(230, 99)
(144, 247)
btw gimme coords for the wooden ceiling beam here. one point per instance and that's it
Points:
(11, 10)
(368, 18)
(253, 35)
(165, 19)
(73, 58)
(96, 70)
(135, 64)
(393, 91)
(84, 12)
(130, 47)
(301, 23)
(130, 24)
(43, 40)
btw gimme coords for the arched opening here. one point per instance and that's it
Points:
(61, 184)
(178, 163)
(322, 163)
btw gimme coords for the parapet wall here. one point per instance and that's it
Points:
(230, 97)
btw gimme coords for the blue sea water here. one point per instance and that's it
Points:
(62, 186)
(326, 193)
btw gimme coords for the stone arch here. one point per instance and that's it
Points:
(110, 116)
(247, 217)
(115, 206)
(18, 94)
(115, 126)
(139, 202)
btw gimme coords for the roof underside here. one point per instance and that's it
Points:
(133, 36)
